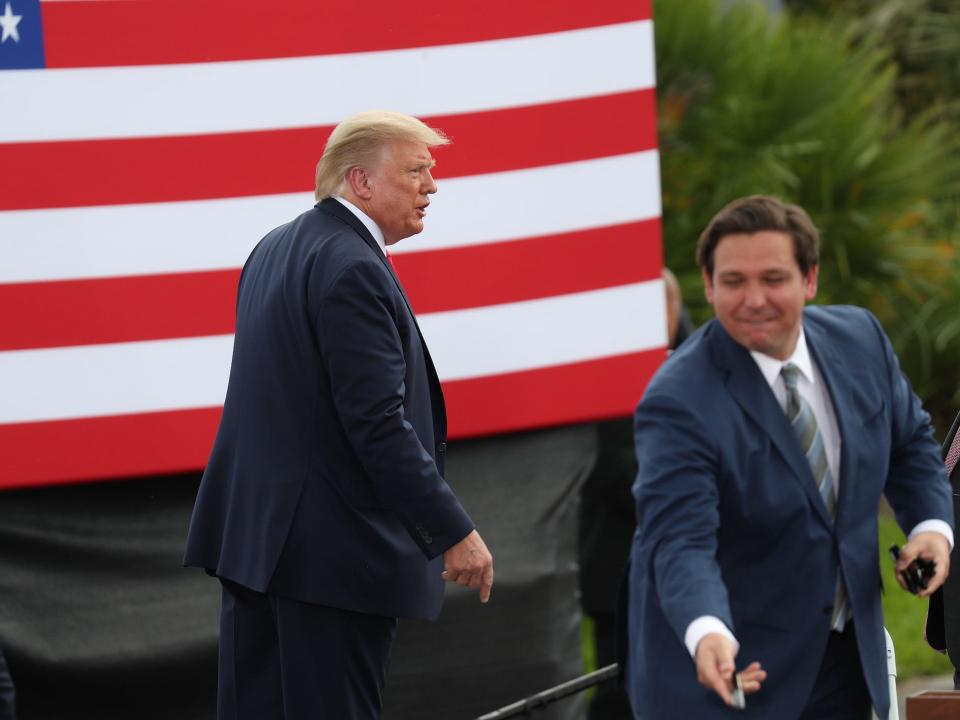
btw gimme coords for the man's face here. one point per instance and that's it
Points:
(401, 185)
(758, 291)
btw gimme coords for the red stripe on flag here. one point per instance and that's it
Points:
(91, 449)
(88, 33)
(164, 169)
(127, 309)
(529, 269)
(599, 389)
(118, 309)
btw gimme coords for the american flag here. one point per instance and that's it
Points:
(147, 145)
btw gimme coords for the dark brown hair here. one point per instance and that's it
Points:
(755, 213)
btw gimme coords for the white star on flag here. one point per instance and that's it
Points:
(9, 22)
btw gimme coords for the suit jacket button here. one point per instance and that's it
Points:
(424, 535)
(828, 609)
(442, 448)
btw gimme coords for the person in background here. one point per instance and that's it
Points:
(943, 616)
(607, 522)
(764, 445)
(323, 509)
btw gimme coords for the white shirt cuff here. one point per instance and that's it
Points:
(938, 526)
(704, 625)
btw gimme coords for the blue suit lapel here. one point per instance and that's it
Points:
(841, 384)
(749, 389)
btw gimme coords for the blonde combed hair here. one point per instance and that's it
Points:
(357, 139)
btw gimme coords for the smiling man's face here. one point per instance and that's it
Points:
(758, 291)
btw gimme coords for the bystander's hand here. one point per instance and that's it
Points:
(716, 667)
(470, 564)
(927, 546)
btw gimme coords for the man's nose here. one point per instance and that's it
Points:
(754, 296)
(430, 186)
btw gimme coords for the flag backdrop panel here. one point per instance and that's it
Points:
(147, 145)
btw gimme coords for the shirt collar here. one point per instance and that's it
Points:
(367, 221)
(770, 366)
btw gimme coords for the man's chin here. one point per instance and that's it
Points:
(760, 344)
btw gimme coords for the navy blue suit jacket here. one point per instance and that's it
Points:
(325, 480)
(730, 522)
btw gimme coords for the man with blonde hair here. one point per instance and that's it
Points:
(323, 509)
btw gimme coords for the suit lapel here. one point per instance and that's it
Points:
(335, 208)
(841, 382)
(749, 389)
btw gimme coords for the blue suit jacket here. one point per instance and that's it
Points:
(730, 522)
(325, 480)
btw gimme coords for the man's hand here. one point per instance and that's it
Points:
(715, 667)
(470, 564)
(927, 546)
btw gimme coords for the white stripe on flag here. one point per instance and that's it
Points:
(262, 94)
(538, 333)
(121, 378)
(114, 379)
(155, 238)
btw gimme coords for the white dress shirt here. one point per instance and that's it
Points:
(367, 221)
(814, 390)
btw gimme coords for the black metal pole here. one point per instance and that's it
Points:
(542, 699)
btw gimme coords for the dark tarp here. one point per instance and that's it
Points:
(98, 619)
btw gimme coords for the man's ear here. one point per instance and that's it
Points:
(707, 286)
(359, 181)
(810, 283)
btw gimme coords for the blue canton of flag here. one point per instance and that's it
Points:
(21, 35)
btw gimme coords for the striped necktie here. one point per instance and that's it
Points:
(953, 454)
(804, 424)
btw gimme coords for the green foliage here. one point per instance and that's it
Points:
(923, 37)
(806, 109)
(904, 616)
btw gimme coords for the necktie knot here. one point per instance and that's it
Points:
(791, 375)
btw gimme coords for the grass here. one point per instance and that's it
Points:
(589, 650)
(904, 617)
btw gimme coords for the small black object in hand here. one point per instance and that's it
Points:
(917, 574)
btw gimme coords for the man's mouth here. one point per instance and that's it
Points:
(422, 210)
(755, 320)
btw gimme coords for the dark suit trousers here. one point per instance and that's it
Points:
(281, 659)
(840, 692)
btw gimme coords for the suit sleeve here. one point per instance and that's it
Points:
(678, 517)
(917, 486)
(363, 356)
